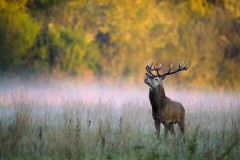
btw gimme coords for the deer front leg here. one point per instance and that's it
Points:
(157, 125)
(171, 128)
(165, 130)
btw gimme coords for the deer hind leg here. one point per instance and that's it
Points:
(157, 125)
(182, 128)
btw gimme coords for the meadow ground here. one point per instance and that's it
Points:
(96, 121)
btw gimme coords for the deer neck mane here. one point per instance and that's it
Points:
(157, 97)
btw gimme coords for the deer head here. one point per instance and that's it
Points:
(154, 80)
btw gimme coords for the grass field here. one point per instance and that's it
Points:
(91, 121)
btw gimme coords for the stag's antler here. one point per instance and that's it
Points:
(180, 68)
(153, 68)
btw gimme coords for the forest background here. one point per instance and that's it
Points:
(113, 39)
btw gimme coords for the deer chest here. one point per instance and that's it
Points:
(157, 115)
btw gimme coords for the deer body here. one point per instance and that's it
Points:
(164, 110)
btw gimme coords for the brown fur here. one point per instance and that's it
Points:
(166, 111)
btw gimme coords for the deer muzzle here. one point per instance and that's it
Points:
(146, 81)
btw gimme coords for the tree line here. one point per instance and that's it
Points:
(115, 38)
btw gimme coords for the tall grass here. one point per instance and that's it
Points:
(76, 129)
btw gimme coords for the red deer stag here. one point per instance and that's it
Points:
(164, 110)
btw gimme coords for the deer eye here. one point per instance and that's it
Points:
(155, 79)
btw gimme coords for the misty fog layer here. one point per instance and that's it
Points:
(56, 94)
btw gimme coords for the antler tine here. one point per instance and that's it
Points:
(149, 68)
(149, 62)
(153, 68)
(170, 68)
(183, 67)
(147, 65)
(158, 68)
(180, 68)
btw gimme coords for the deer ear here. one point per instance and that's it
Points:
(163, 77)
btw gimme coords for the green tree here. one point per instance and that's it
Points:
(17, 34)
